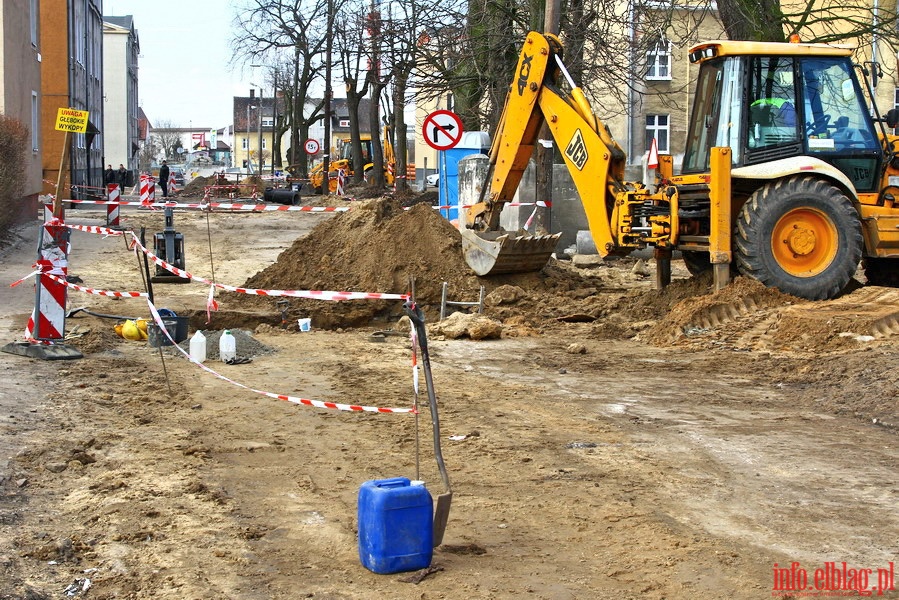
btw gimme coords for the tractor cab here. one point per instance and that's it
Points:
(769, 102)
(345, 152)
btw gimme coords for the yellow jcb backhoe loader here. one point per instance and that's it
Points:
(345, 162)
(784, 175)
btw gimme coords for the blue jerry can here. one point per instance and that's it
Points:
(396, 521)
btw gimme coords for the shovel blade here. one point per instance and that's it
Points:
(441, 516)
(493, 253)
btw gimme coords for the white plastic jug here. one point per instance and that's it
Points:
(227, 346)
(198, 347)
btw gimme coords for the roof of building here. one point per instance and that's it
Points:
(125, 22)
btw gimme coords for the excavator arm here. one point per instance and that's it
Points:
(594, 159)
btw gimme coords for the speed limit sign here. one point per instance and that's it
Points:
(311, 146)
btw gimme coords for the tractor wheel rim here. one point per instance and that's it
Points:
(804, 242)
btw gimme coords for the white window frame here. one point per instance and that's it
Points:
(658, 61)
(245, 144)
(35, 122)
(264, 140)
(268, 122)
(34, 18)
(80, 37)
(654, 128)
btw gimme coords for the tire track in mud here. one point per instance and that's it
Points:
(767, 320)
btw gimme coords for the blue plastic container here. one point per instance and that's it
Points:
(396, 521)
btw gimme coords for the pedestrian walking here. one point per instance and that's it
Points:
(122, 177)
(164, 179)
(109, 175)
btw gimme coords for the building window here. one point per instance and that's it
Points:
(657, 127)
(264, 143)
(658, 60)
(80, 38)
(34, 17)
(268, 122)
(35, 123)
(246, 143)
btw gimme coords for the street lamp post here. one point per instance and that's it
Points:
(261, 106)
(261, 160)
(249, 159)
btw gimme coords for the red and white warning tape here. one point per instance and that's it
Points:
(286, 398)
(88, 290)
(311, 294)
(224, 205)
(96, 229)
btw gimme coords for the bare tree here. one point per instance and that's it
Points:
(350, 37)
(148, 153)
(402, 43)
(165, 139)
(291, 31)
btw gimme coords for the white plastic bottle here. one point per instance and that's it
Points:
(198, 347)
(227, 346)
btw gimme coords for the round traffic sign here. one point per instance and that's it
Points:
(442, 129)
(311, 146)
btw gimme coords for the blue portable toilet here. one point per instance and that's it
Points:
(472, 142)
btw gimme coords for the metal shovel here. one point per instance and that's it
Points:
(444, 500)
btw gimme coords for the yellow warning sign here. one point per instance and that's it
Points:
(70, 119)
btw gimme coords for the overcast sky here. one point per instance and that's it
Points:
(184, 76)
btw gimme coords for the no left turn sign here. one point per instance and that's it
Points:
(311, 146)
(442, 129)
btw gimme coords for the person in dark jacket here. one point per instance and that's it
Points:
(109, 175)
(122, 177)
(164, 179)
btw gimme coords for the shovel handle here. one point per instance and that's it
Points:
(416, 315)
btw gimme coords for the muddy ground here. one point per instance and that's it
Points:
(604, 440)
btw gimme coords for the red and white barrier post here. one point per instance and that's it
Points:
(48, 320)
(171, 187)
(45, 331)
(147, 189)
(112, 209)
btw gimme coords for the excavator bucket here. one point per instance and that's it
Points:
(496, 252)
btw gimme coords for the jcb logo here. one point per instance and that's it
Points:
(861, 173)
(577, 150)
(523, 73)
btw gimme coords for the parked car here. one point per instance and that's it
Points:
(432, 180)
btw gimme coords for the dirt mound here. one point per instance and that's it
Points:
(196, 187)
(376, 247)
(695, 314)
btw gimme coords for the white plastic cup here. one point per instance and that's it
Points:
(304, 324)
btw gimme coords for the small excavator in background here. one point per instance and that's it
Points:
(346, 162)
(784, 178)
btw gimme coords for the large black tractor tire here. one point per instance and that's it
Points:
(801, 235)
(882, 271)
(697, 263)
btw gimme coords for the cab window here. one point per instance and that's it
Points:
(773, 119)
(717, 114)
(835, 116)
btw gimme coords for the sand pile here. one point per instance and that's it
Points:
(375, 247)
(734, 308)
(196, 187)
